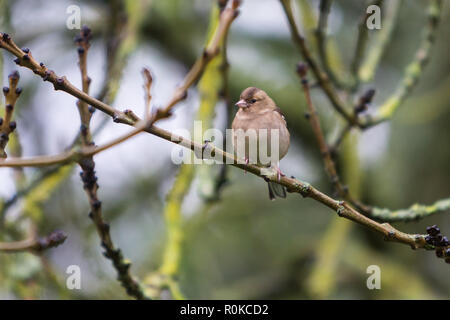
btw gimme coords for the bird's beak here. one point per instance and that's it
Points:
(241, 104)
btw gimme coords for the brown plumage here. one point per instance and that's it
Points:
(258, 111)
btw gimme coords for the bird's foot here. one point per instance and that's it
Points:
(246, 163)
(279, 173)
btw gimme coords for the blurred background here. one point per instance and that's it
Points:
(236, 243)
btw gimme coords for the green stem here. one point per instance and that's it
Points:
(414, 70)
(415, 212)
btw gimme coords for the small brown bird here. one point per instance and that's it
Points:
(259, 114)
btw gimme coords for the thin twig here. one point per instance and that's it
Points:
(73, 155)
(7, 126)
(33, 244)
(383, 36)
(361, 44)
(89, 179)
(415, 212)
(414, 70)
(147, 89)
(330, 167)
(321, 77)
(324, 11)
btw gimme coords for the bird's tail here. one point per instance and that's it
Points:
(276, 190)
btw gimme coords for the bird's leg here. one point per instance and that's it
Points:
(246, 163)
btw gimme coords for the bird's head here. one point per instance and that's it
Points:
(255, 99)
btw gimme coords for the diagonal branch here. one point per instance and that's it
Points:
(361, 44)
(414, 70)
(368, 67)
(321, 77)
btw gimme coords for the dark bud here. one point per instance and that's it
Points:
(433, 230)
(5, 90)
(42, 64)
(439, 253)
(96, 204)
(86, 31)
(17, 61)
(1, 121)
(360, 108)
(26, 57)
(307, 115)
(368, 96)
(80, 50)
(116, 118)
(4, 137)
(26, 50)
(222, 4)
(59, 83)
(18, 91)
(6, 37)
(83, 129)
(46, 75)
(14, 75)
(90, 215)
(9, 107)
(302, 69)
(89, 80)
(444, 242)
(12, 125)
(91, 109)
(428, 240)
(106, 227)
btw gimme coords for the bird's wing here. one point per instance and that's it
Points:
(278, 110)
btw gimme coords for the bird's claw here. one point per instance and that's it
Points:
(246, 163)
(279, 174)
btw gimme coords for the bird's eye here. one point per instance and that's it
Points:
(253, 101)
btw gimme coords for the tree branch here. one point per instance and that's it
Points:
(34, 245)
(7, 126)
(361, 44)
(367, 70)
(415, 212)
(321, 77)
(414, 70)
